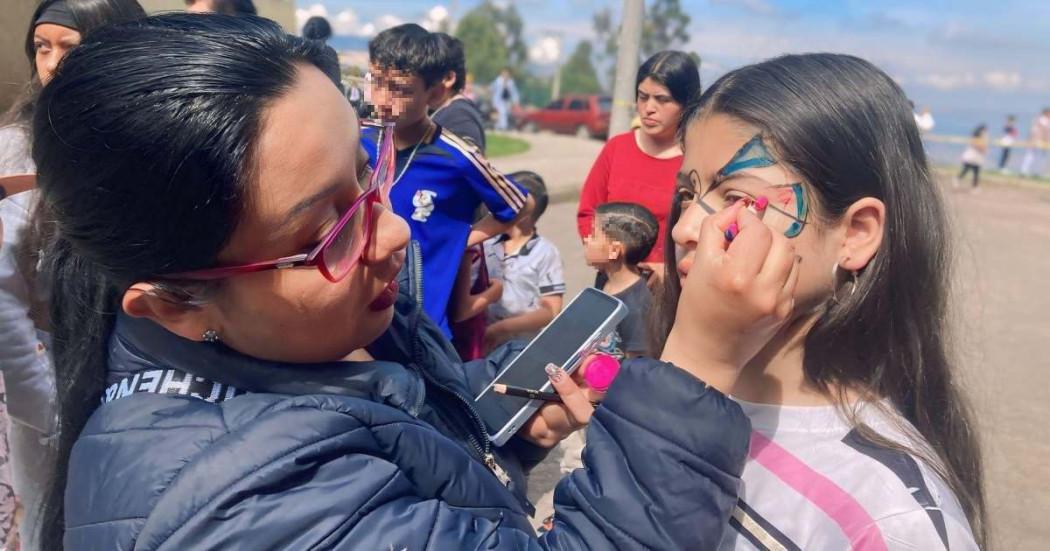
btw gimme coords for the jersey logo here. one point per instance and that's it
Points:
(423, 200)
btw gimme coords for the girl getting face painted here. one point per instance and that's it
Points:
(854, 364)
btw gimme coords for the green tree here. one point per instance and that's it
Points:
(485, 47)
(578, 75)
(493, 39)
(666, 27)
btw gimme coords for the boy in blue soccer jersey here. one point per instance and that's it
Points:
(439, 179)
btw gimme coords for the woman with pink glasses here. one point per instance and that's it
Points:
(236, 366)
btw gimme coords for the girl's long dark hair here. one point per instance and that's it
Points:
(143, 142)
(846, 128)
(88, 15)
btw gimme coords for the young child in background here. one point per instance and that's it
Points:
(533, 280)
(973, 157)
(622, 236)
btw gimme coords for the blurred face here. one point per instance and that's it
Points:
(711, 145)
(658, 110)
(307, 174)
(401, 96)
(51, 43)
(598, 249)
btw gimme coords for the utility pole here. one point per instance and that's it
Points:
(626, 66)
(556, 81)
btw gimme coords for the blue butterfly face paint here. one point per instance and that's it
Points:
(787, 199)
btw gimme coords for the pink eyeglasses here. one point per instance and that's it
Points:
(343, 246)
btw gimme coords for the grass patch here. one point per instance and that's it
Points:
(502, 145)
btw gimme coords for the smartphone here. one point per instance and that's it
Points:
(566, 341)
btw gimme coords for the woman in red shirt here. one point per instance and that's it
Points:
(640, 166)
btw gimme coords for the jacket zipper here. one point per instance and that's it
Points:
(484, 450)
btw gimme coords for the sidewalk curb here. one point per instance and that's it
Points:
(565, 194)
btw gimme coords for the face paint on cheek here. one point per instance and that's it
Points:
(801, 211)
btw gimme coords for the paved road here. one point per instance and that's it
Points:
(1002, 328)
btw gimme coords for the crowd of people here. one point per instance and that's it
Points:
(1033, 163)
(237, 315)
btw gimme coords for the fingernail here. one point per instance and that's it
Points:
(732, 231)
(554, 372)
(762, 202)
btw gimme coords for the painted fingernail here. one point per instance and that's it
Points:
(554, 372)
(732, 231)
(762, 202)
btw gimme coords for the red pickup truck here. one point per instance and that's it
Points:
(585, 116)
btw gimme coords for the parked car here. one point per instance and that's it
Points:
(584, 115)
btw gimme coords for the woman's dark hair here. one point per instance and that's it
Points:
(88, 15)
(980, 128)
(675, 70)
(631, 224)
(317, 28)
(144, 163)
(846, 129)
(409, 48)
(239, 7)
(451, 50)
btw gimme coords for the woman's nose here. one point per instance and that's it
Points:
(390, 234)
(51, 63)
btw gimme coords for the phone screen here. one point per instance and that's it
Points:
(587, 319)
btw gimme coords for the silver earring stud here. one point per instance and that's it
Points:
(210, 335)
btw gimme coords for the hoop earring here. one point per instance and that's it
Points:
(210, 335)
(835, 278)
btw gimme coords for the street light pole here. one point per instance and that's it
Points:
(626, 66)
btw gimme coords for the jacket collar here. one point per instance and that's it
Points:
(138, 344)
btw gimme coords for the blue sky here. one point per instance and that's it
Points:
(966, 58)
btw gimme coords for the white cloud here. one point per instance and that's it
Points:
(301, 14)
(1002, 80)
(545, 51)
(384, 22)
(949, 81)
(434, 17)
(760, 7)
(346, 23)
(996, 80)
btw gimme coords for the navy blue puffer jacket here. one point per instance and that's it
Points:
(383, 455)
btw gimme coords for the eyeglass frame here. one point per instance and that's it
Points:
(377, 192)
